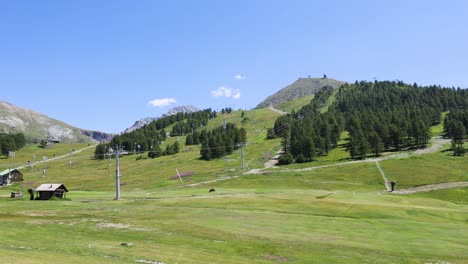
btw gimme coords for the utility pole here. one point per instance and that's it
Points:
(117, 176)
(71, 156)
(32, 164)
(110, 154)
(117, 173)
(242, 145)
(44, 168)
(11, 154)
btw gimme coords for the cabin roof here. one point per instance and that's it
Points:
(51, 187)
(5, 172)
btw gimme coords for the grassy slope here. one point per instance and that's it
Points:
(330, 215)
(329, 101)
(295, 104)
(89, 174)
(281, 224)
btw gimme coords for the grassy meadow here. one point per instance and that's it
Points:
(296, 104)
(336, 214)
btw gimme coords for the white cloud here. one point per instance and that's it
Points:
(240, 77)
(227, 92)
(162, 102)
(236, 94)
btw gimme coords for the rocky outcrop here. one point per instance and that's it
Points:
(98, 136)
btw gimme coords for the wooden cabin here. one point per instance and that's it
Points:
(16, 176)
(50, 190)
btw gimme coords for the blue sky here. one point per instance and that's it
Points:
(102, 65)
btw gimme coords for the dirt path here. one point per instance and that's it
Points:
(212, 181)
(437, 144)
(387, 184)
(56, 158)
(273, 160)
(432, 187)
(281, 112)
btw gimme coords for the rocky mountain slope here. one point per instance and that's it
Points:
(36, 126)
(173, 111)
(298, 89)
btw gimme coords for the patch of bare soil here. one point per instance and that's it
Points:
(37, 214)
(432, 187)
(281, 112)
(120, 226)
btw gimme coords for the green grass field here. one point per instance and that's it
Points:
(296, 104)
(235, 225)
(338, 214)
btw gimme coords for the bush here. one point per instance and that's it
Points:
(286, 159)
(459, 151)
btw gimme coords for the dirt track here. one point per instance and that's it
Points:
(437, 144)
(281, 112)
(432, 187)
(56, 158)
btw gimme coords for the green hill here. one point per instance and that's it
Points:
(331, 210)
(301, 87)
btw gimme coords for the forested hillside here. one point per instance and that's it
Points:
(215, 143)
(150, 136)
(379, 116)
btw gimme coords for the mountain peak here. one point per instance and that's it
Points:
(173, 111)
(181, 109)
(301, 87)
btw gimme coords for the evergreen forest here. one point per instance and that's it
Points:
(11, 142)
(215, 143)
(378, 116)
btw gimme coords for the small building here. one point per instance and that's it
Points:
(17, 195)
(50, 190)
(16, 176)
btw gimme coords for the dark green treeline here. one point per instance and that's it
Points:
(149, 137)
(379, 116)
(218, 142)
(11, 142)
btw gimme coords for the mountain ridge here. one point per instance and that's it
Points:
(37, 126)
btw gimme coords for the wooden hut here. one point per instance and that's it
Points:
(16, 176)
(50, 190)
